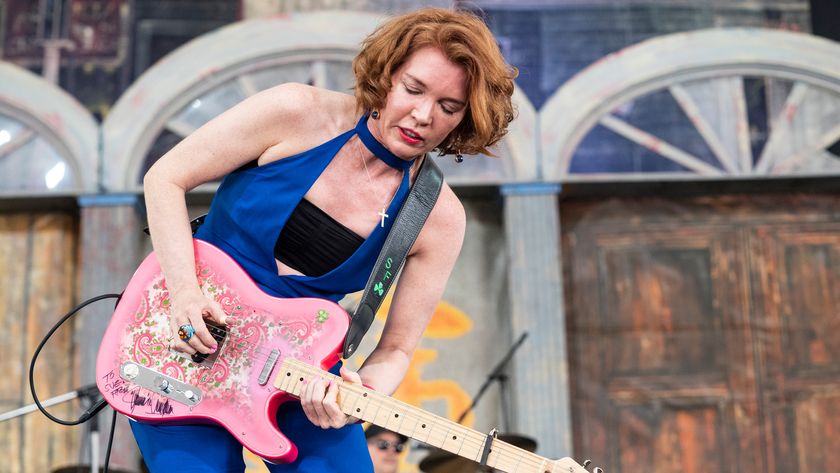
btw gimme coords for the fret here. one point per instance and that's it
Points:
(407, 421)
(446, 438)
(409, 424)
(439, 432)
(369, 409)
(479, 451)
(297, 383)
(460, 446)
(516, 465)
(424, 430)
(394, 421)
(294, 377)
(492, 458)
(354, 407)
(430, 430)
(346, 399)
(504, 462)
(357, 407)
(382, 414)
(284, 381)
(473, 446)
(280, 380)
(505, 459)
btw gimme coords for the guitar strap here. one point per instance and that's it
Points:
(409, 221)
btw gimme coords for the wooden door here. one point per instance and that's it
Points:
(700, 333)
(797, 318)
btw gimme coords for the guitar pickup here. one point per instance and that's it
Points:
(219, 333)
(268, 367)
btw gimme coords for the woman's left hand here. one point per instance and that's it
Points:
(319, 400)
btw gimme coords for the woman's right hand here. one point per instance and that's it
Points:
(191, 308)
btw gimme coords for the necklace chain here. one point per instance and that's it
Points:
(381, 213)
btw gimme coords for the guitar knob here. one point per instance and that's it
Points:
(190, 395)
(164, 385)
(130, 371)
(598, 470)
(586, 463)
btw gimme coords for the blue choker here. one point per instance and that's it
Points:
(377, 148)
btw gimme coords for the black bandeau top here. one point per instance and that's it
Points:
(314, 243)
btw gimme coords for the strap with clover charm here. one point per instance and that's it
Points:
(409, 221)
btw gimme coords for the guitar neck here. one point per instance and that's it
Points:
(397, 416)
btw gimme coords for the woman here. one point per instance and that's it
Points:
(313, 181)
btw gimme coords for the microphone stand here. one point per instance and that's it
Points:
(497, 374)
(88, 392)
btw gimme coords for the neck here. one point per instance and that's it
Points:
(397, 416)
(378, 149)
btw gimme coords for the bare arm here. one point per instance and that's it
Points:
(230, 140)
(418, 292)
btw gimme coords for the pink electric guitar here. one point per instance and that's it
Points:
(265, 354)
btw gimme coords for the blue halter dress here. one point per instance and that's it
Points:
(245, 219)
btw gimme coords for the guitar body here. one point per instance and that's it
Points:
(235, 387)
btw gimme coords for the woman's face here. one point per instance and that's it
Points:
(427, 100)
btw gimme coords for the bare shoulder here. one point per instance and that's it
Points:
(445, 226)
(303, 116)
(303, 106)
(448, 210)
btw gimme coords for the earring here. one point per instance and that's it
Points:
(458, 157)
(374, 114)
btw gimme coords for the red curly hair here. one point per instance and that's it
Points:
(465, 40)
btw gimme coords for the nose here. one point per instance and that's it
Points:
(422, 112)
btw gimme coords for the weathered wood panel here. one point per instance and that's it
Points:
(38, 254)
(704, 332)
(652, 352)
(14, 232)
(799, 350)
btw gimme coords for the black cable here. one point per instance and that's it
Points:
(95, 407)
(110, 441)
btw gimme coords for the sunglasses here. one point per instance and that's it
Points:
(385, 445)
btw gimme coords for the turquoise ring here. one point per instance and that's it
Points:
(185, 332)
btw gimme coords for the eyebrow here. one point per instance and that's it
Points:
(423, 84)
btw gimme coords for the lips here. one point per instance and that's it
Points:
(410, 136)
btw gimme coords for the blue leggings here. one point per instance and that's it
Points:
(210, 448)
